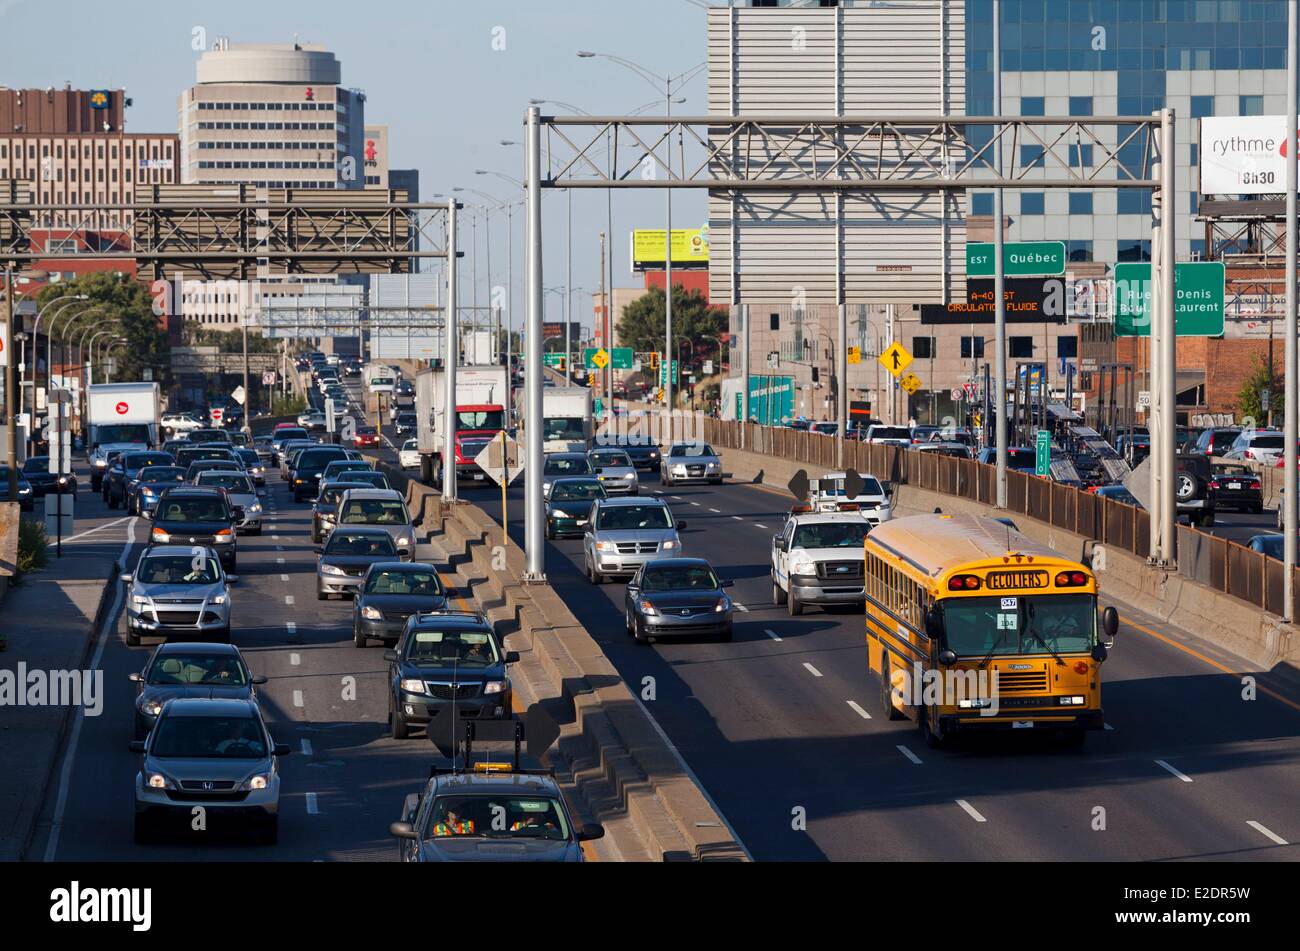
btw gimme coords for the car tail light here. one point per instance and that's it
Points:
(964, 583)
(1072, 579)
(1215, 486)
(1256, 484)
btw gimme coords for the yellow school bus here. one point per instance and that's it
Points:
(972, 626)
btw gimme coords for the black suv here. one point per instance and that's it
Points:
(120, 477)
(444, 660)
(189, 515)
(406, 424)
(1216, 442)
(1194, 488)
(307, 469)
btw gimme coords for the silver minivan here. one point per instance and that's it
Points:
(178, 590)
(379, 508)
(627, 532)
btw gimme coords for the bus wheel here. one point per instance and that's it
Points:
(932, 740)
(886, 700)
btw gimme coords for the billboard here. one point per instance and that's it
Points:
(690, 249)
(1243, 155)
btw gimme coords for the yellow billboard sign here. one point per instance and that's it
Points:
(690, 248)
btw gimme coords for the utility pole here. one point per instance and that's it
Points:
(568, 295)
(1290, 409)
(604, 316)
(451, 361)
(534, 507)
(999, 274)
(10, 368)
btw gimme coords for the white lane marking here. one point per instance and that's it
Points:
(716, 511)
(763, 527)
(279, 548)
(99, 528)
(1183, 776)
(742, 609)
(1267, 833)
(295, 660)
(696, 504)
(65, 773)
(284, 577)
(297, 698)
(312, 808)
(775, 636)
(916, 760)
(291, 628)
(857, 708)
(288, 599)
(737, 518)
(970, 810)
(812, 670)
(275, 538)
(677, 498)
(1109, 728)
(279, 561)
(306, 748)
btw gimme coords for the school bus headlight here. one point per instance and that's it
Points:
(974, 704)
(1072, 701)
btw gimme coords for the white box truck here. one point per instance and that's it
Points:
(482, 394)
(567, 418)
(125, 417)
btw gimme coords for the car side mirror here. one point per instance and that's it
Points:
(231, 579)
(681, 526)
(418, 523)
(390, 656)
(136, 746)
(281, 749)
(261, 681)
(591, 831)
(633, 589)
(237, 511)
(512, 657)
(136, 678)
(1110, 623)
(128, 578)
(402, 830)
(779, 542)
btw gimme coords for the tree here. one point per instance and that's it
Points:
(126, 303)
(1249, 398)
(642, 325)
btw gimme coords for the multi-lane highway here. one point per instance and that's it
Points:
(785, 722)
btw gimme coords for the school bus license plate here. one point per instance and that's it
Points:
(1023, 725)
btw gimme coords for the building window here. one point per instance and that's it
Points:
(1032, 156)
(981, 203)
(1081, 156)
(1020, 347)
(774, 321)
(923, 348)
(966, 349)
(1130, 251)
(1031, 203)
(1202, 106)
(1081, 203)
(1133, 201)
(1250, 105)
(1078, 250)
(1032, 105)
(1080, 105)
(1067, 348)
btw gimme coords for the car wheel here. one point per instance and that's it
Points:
(1207, 521)
(886, 700)
(254, 532)
(715, 482)
(1072, 739)
(1257, 510)
(793, 604)
(638, 631)
(550, 531)
(359, 638)
(777, 594)
(222, 636)
(132, 638)
(398, 726)
(1187, 486)
(322, 596)
(628, 624)
(113, 502)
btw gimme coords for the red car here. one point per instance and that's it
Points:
(365, 436)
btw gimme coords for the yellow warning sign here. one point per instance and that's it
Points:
(601, 359)
(896, 360)
(855, 356)
(911, 383)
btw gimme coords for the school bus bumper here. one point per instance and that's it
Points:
(1037, 720)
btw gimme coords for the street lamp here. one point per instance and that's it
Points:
(663, 85)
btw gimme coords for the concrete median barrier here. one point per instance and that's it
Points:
(621, 764)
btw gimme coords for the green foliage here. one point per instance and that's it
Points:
(123, 302)
(288, 406)
(228, 341)
(642, 325)
(33, 546)
(1248, 398)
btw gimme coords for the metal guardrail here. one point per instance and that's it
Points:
(1218, 563)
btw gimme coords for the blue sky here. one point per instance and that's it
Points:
(429, 71)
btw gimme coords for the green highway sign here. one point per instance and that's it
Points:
(554, 360)
(1024, 259)
(663, 381)
(618, 358)
(1043, 454)
(1199, 311)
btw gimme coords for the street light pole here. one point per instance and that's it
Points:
(1290, 409)
(11, 367)
(534, 512)
(999, 274)
(451, 361)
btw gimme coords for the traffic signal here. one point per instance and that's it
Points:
(654, 361)
(564, 364)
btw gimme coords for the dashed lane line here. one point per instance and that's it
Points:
(970, 810)
(857, 708)
(1165, 766)
(1267, 833)
(775, 636)
(915, 760)
(813, 670)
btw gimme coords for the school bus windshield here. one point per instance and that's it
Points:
(1038, 624)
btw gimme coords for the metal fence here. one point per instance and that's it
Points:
(1218, 563)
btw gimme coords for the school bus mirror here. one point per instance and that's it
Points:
(948, 658)
(1110, 623)
(934, 629)
(1099, 653)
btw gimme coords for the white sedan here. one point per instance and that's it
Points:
(409, 455)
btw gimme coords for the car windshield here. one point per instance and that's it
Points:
(631, 517)
(410, 445)
(1041, 624)
(611, 459)
(288, 435)
(373, 512)
(564, 427)
(371, 480)
(831, 535)
(205, 510)
(480, 419)
(142, 460)
(230, 481)
(187, 456)
(890, 432)
(37, 464)
(680, 578)
(179, 569)
(496, 817)
(692, 451)
(343, 543)
(577, 491)
(249, 456)
(180, 737)
(575, 466)
(452, 648)
(198, 670)
(124, 432)
(1266, 442)
(870, 486)
(319, 458)
(162, 474)
(349, 466)
(416, 583)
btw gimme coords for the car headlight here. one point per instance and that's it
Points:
(647, 608)
(679, 470)
(724, 603)
(101, 464)
(225, 537)
(152, 707)
(332, 570)
(413, 686)
(494, 686)
(804, 568)
(147, 493)
(715, 465)
(403, 543)
(255, 510)
(611, 547)
(219, 599)
(159, 781)
(158, 535)
(255, 782)
(670, 545)
(372, 614)
(139, 601)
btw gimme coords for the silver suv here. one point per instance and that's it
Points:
(625, 533)
(690, 462)
(380, 508)
(178, 590)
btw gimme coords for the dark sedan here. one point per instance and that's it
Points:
(446, 660)
(187, 457)
(120, 475)
(644, 455)
(1237, 487)
(677, 597)
(346, 558)
(25, 491)
(149, 485)
(200, 671)
(390, 594)
(568, 510)
(36, 470)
